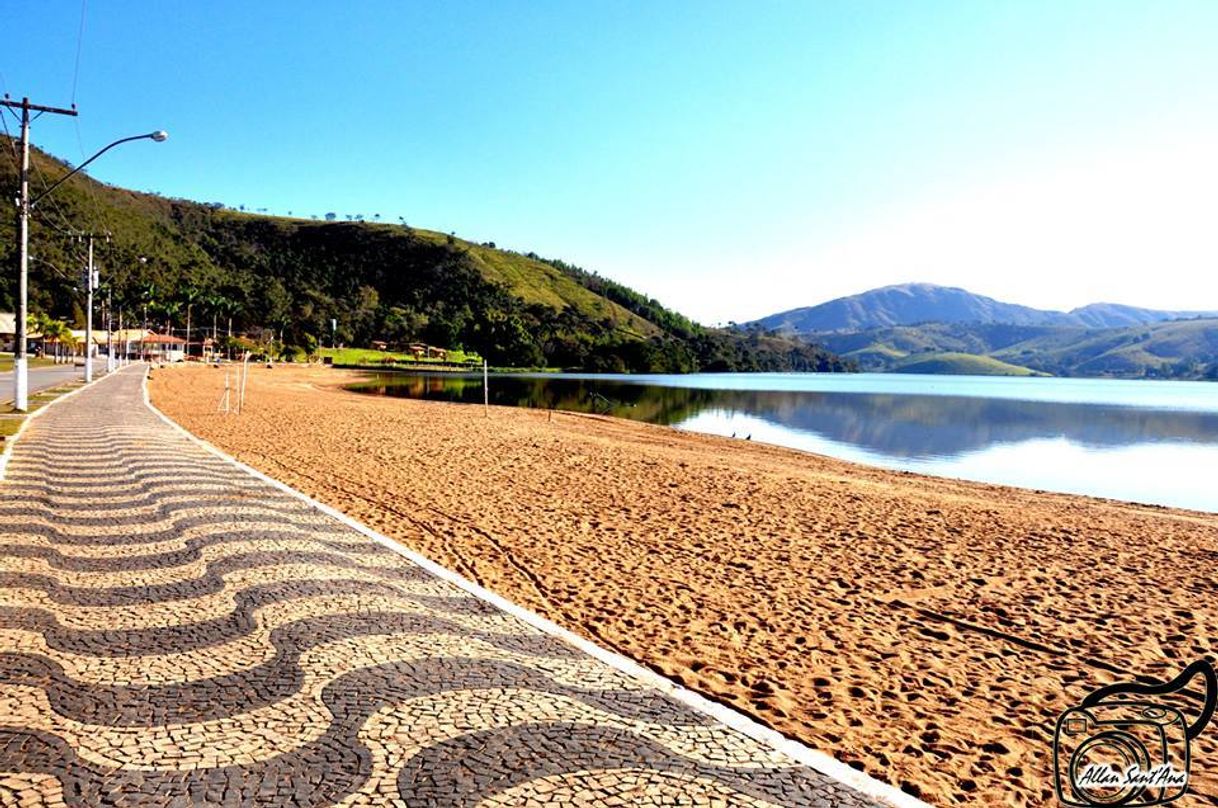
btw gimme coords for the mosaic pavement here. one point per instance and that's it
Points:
(176, 632)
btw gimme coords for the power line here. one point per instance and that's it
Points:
(80, 38)
(52, 201)
(20, 369)
(90, 192)
(11, 140)
(94, 203)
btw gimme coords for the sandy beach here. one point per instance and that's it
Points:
(926, 631)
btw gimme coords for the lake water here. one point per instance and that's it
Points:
(1142, 441)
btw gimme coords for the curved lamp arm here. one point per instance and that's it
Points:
(159, 136)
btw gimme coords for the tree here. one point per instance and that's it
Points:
(363, 313)
(54, 331)
(190, 295)
(221, 307)
(331, 217)
(168, 309)
(215, 303)
(41, 324)
(404, 324)
(309, 343)
(277, 304)
(148, 299)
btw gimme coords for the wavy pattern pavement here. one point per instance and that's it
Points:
(176, 632)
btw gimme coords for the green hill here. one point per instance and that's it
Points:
(287, 278)
(961, 364)
(1177, 349)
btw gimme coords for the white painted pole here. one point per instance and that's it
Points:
(245, 373)
(89, 284)
(21, 389)
(110, 329)
(486, 390)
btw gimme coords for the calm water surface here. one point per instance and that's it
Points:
(1143, 441)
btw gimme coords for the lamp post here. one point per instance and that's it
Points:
(110, 327)
(25, 206)
(90, 286)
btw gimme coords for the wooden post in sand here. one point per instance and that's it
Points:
(245, 374)
(224, 400)
(486, 390)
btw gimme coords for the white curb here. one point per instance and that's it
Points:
(821, 762)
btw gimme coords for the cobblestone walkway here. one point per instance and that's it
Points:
(175, 632)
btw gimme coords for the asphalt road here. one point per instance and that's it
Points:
(45, 377)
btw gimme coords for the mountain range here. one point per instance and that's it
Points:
(924, 328)
(915, 303)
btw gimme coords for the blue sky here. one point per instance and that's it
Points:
(731, 159)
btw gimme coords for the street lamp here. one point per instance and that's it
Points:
(25, 208)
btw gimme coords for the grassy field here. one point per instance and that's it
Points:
(6, 362)
(368, 356)
(963, 364)
(11, 420)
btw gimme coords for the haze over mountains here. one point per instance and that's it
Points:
(924, 328)
(917, 303)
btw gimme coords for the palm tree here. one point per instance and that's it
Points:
(215, 302)
(54, 331)
(168, 309)
(148, 297)
(62, 334)
(226, 307)
(65, 337)
(40, 323)
(190, 295)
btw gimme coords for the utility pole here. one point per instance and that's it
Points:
(90, 282)
(21, 401)
(110, 327)
(90, 285)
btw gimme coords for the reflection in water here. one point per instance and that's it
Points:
(1042, 444)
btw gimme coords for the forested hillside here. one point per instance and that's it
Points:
(170, 259)
(1178, 349)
